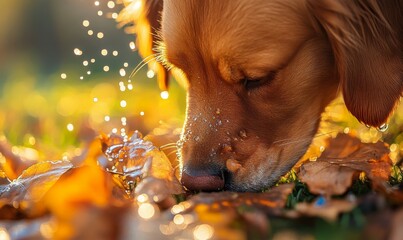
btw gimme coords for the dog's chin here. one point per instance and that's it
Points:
(257, 178)
(255, 183)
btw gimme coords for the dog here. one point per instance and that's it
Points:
(259, 73)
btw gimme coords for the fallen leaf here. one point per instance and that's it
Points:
(15, 162)
(271, 202)
(29, 188)
(224, 215)
(345, 158)
(326, 209)
(78, 191)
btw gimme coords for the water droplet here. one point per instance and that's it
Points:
(124, 121)
(111, 4)
(123, 103)
(70, 127)
(115, 53)
(100, 35)
(321, 201)
(218, 111)
(122, 72)
(63, 76)
(96, 3)
(197, 138)
(100, 13)
(86, 23)
(78, 52)
(106, 68)
(383, 127)
(242, 133)
(164, 95)
(150, 73)
(104, 52)
(132, 45)
(90, 32)
(85, 63)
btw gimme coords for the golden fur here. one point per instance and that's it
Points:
(259, 73)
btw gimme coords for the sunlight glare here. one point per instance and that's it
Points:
(104, 52)
(4, 234)
(122, 72)
(100, 35)
(70, 127)
(146, 211)
(203, 232)
(123, 103)
(86, 23)
(164, 95)
(132, 45)
(78, 52)
(111, 4)
(150, 73)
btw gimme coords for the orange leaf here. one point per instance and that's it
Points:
(344, 158)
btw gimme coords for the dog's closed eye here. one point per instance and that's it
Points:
(253, 83)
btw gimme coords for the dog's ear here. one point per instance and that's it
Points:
(143, 18)
(366, 38)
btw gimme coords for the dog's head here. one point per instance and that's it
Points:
(259, 74)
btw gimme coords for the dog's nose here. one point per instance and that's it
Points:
(207, 181)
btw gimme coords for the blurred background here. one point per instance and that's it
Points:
(64, 76)
(64, 79)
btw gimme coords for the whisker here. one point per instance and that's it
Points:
(142, 64)
(303, 139)
(168, 144)
(316, 135)
(169, 154)
(167, 148)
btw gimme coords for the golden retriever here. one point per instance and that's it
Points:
(259, 73)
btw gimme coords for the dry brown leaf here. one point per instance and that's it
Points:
(329, 210)
(345, 157)
(14, 163)
(218, 213)
(272, 202)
